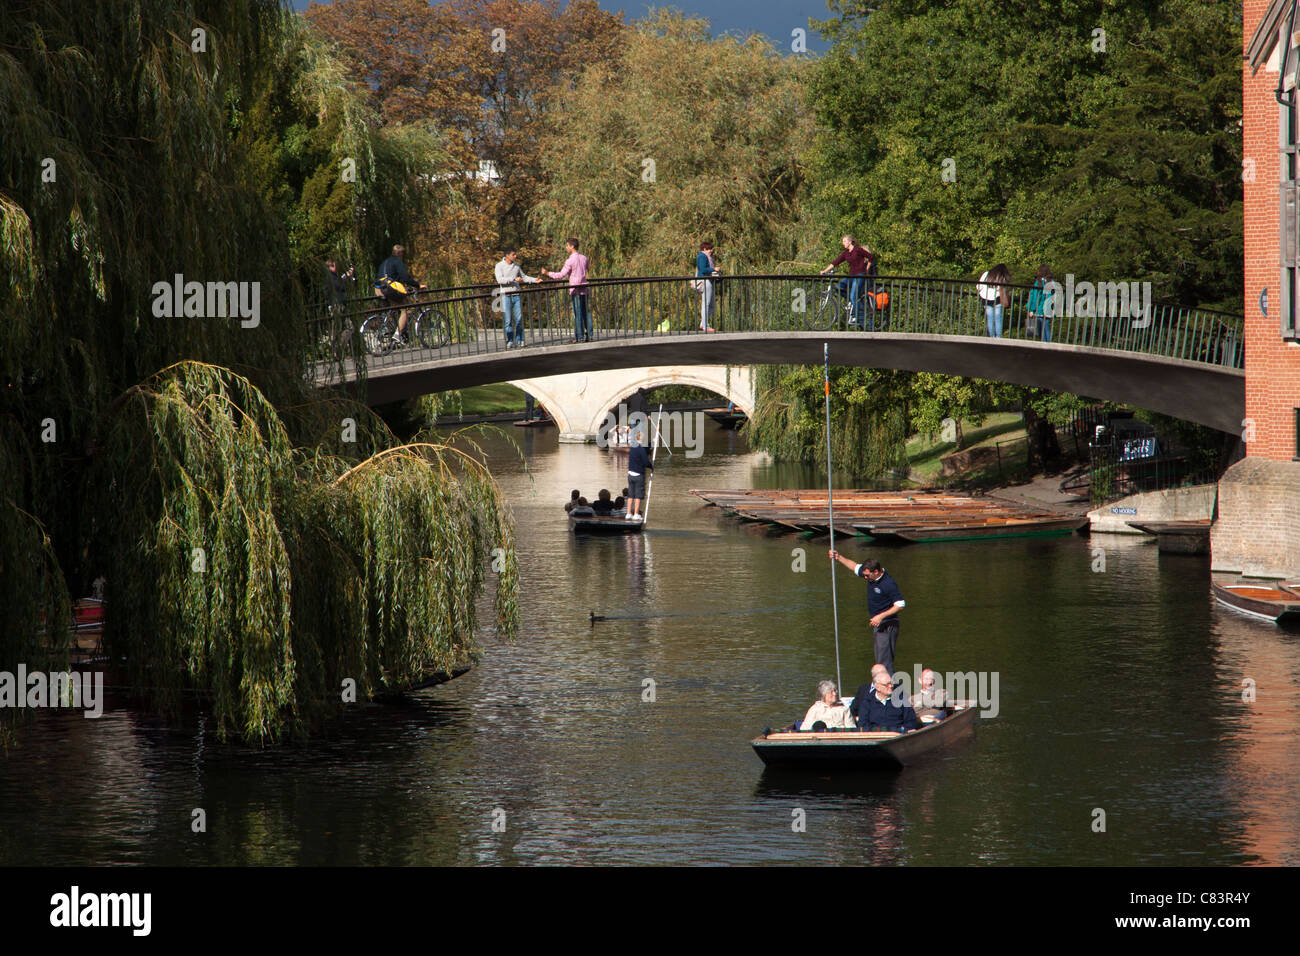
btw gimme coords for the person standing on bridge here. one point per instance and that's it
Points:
(509, 278)
(1040, 304)
(884, 601)
(995, 292)
(861, 265)
(575, 270)
(705, 269)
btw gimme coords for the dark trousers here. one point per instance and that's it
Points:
(581, 317)
(887, 642)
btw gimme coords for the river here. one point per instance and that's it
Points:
(1120, 691)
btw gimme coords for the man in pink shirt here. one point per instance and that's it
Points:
(575, 270)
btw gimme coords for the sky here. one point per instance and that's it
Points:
(775, 18)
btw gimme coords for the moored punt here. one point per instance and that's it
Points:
(862, 749)
(901, 516)
(729, 419)
(962, 531)
(595, 524)
(1279, 603)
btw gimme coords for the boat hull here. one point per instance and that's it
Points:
(862, 750)
(589, 525)
(1262, 602)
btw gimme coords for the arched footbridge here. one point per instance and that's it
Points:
(1187, 363)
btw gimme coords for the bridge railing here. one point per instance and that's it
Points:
(469, 321)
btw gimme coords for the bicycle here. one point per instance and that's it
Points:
(826, 314)
(427, 329)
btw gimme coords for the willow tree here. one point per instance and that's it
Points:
(265, 575)
(869, 417)
(143, 141)
(683, 137)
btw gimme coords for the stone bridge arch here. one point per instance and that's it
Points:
(578, 401)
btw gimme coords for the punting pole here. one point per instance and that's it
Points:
(830, 504)
(650, 480)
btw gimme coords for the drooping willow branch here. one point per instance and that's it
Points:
(267, 576)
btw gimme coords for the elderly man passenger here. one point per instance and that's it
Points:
(931, 703)
(828, 711)
(879, 709)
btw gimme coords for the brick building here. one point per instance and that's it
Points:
(1257, 531)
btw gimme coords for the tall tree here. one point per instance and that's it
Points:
(484, 71)
(684, 137)
(1100, 138)
(249, 553)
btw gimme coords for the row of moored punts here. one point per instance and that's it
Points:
(914, 516)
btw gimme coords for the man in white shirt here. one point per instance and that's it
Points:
(509, 279)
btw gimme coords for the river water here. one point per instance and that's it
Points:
(1120, 691)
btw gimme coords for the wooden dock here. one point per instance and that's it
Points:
(914, 516)
(1178, 537)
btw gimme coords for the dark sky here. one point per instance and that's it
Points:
(776, 18)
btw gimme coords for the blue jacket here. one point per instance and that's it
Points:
(887, 716)
(702, 267)
(638, 460)
(394, 268)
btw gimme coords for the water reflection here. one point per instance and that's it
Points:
(1120, 690)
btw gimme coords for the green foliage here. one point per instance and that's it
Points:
(129, 157)
(724, 123)
(964, 400)
(266, 575)
(869, 422)
(1111, 164)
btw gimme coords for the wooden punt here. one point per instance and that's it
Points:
(908, 516)
(726, 419)
(964, 531)
(860, 749)
(1279, 603)
(594, 524)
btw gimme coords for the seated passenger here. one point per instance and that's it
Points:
(573, 500)
(827, 711)
(930, 702)
(603, 506)
(620, 505)
(861, 696)
(582, 509)
(876, 708)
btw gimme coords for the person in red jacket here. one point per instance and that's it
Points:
(862, 263)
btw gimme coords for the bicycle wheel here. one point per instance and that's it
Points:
(429, 332)
(377, 332)
(825, 312)
(430, 329)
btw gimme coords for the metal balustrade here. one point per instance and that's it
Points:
(468, 321)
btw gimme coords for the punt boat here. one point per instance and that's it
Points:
(863, 749)
(595, 524)
(1263, 600)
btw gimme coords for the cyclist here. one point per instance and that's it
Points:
(862, 264)
(395, 285)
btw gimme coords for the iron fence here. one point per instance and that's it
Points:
(469, 320)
